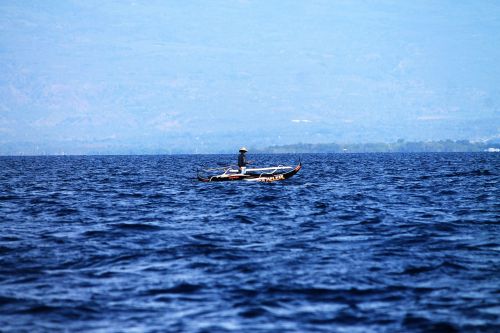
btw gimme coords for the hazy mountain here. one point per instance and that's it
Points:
(131, 76)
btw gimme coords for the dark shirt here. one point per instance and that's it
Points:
(242, 160)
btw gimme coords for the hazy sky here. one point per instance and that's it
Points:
(138, 76)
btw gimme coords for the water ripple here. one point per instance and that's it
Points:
(354, 242)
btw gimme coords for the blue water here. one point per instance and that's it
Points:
(352, 243)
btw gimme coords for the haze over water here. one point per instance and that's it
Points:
(352, 243)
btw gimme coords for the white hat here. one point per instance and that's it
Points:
(243, 149)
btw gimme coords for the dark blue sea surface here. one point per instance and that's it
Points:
(352, 243)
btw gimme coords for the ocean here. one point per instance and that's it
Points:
(352, 243)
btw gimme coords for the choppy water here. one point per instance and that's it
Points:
(352, 243)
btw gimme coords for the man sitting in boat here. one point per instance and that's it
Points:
(242, 160)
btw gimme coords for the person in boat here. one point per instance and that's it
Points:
(242, 160)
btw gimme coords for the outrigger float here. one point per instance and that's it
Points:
(270, 174)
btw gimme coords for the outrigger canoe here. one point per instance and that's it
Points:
(269, 174)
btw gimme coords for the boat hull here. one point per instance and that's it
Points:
(263, 177)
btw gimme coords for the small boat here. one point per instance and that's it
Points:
(269, 174)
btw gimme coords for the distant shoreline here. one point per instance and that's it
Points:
(400, 146)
